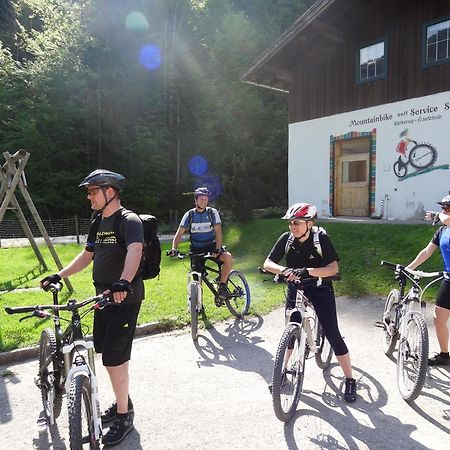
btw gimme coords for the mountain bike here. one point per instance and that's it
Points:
(66, 365)
(403, 322)
(297, 342)
(238, 295)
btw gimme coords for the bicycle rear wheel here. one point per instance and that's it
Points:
(81, 423)
(390, 333)
(412, 358)
(238, 301)
(194, 289)
(49, 375)
(289, 372)
(324, 350)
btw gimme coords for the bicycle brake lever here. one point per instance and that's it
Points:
(26, 317)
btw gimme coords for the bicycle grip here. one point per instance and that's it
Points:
(20, 309)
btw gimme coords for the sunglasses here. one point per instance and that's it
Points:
(296, 222)
(93, 191)
(446, 207)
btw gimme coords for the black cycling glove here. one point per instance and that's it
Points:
(51, 279)
(173, 252)
(121, 286)
(286, 272)
(301, 272)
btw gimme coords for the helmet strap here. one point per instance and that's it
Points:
(107, 202)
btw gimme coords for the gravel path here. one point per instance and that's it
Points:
(213, 395)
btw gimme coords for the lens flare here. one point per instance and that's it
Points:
(150, 56)
(198, 165)
(212, 182)
(136, 22)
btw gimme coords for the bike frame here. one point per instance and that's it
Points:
(412, 300)
(308, 315)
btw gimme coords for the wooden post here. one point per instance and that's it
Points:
(77, 229)
(17, 180)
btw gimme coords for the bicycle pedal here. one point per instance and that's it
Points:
(37, 382)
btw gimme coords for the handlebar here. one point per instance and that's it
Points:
(100, 301)
(412, 272)
(181, 255)
(279, 278)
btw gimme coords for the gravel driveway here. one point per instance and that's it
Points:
(213, 395)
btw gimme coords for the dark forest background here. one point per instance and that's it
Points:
(148, 88)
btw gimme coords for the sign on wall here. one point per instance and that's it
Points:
(409, 163)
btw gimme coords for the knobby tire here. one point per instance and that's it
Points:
(287, 377)
(49, 374)
(324, 350)
(193, 308)
(390, 332)
(412, 360)
(239, 301)
(81, 424)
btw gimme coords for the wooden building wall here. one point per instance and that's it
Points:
(325, 75)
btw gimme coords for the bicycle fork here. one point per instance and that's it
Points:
(88, 370)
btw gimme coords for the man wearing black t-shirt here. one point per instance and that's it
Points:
(115, 271)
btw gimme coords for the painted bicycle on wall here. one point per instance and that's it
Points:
(419, 154)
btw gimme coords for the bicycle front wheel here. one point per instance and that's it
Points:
(422, 156)
(324, 350)
(194, 292)
(390, 332)
(238, 301)
(49, 375)
(81, 423)
(289, 372)
(412, 357)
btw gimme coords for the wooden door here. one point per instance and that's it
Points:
(352, 178)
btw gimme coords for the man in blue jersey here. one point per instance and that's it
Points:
(205, 227)
(440, 240)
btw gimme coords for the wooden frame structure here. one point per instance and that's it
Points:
(12, 176)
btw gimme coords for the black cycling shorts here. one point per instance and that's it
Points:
(114, 328)
(443, 296)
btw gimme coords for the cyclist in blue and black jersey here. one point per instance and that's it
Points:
(441, 240)
(205, 227)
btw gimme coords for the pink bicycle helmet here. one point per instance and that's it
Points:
(301, 211)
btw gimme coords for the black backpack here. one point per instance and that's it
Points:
(151, 252)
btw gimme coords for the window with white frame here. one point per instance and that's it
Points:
(372, 63)
(437, 46)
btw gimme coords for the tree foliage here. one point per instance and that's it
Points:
(142, 87)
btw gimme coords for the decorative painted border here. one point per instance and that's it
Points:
(372, 169)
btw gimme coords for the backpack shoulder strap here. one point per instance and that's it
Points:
(93, 228)
(210, 215)
(289, 242)
(316, 239)
(117, 221)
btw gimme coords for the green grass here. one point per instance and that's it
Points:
(361, 247)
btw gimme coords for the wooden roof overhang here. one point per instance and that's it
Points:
(311, 36)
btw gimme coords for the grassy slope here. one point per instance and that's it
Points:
(360, 246)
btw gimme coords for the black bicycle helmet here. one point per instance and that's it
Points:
(104, 178)
(301, 211)
(202, 191)
(445, 202)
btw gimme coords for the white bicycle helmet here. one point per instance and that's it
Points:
(202, 191)
(301, 211)
(445, 202)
